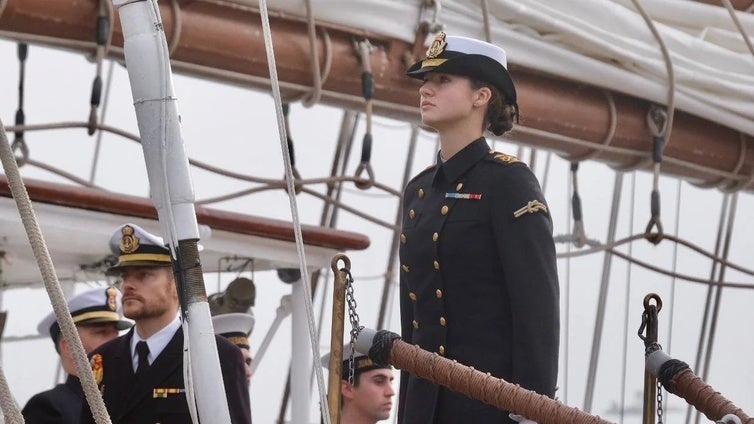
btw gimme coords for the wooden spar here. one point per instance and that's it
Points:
(223, 41)
(116, 203)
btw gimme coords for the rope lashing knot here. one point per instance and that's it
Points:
(657, 121)
(365, 49)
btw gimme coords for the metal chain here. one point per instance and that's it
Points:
(353, 318)
(659, 402)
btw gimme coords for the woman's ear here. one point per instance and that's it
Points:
(482, 96)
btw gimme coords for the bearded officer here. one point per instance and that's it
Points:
(141, 373)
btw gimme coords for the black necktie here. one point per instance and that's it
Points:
(143, 350)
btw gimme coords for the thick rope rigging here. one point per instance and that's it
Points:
(54, 291)
(11, 414)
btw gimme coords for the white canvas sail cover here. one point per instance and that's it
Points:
(605, 43)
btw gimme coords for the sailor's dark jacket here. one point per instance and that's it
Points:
(478, 281)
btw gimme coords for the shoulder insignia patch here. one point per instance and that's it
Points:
(531, 207)
(97, 368)
(502, 157)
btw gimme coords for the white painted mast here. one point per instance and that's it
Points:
(148, 63)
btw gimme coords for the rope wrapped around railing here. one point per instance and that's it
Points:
(386, 348)
(677, 378)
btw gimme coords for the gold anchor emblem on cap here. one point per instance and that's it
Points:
(129, 243)
(437, 46)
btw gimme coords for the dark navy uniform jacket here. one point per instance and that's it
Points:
(60, 405)
(478, 281)
(154, 400)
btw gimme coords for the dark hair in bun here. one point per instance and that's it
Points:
(500, 115)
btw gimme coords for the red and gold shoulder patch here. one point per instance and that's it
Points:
(98, 368)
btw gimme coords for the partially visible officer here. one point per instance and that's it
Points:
(370, 398)
(478, 280)
(96, 314)
(236, 327)
(140, 373)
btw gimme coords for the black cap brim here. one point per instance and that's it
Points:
(475, 66)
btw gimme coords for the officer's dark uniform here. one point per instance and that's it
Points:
(60, 405)
(478, 281)
(161, 397)
(63, 403)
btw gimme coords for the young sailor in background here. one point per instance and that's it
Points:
(236, 327)
(370, 398)
(478, 280)
(97, 315)
(141, 373)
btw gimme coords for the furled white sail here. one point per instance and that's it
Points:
(606, 43)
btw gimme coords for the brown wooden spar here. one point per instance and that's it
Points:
(224, 41)
(121, 204)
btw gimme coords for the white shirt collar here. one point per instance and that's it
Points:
(156, 342)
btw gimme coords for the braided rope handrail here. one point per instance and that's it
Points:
(385, 347)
